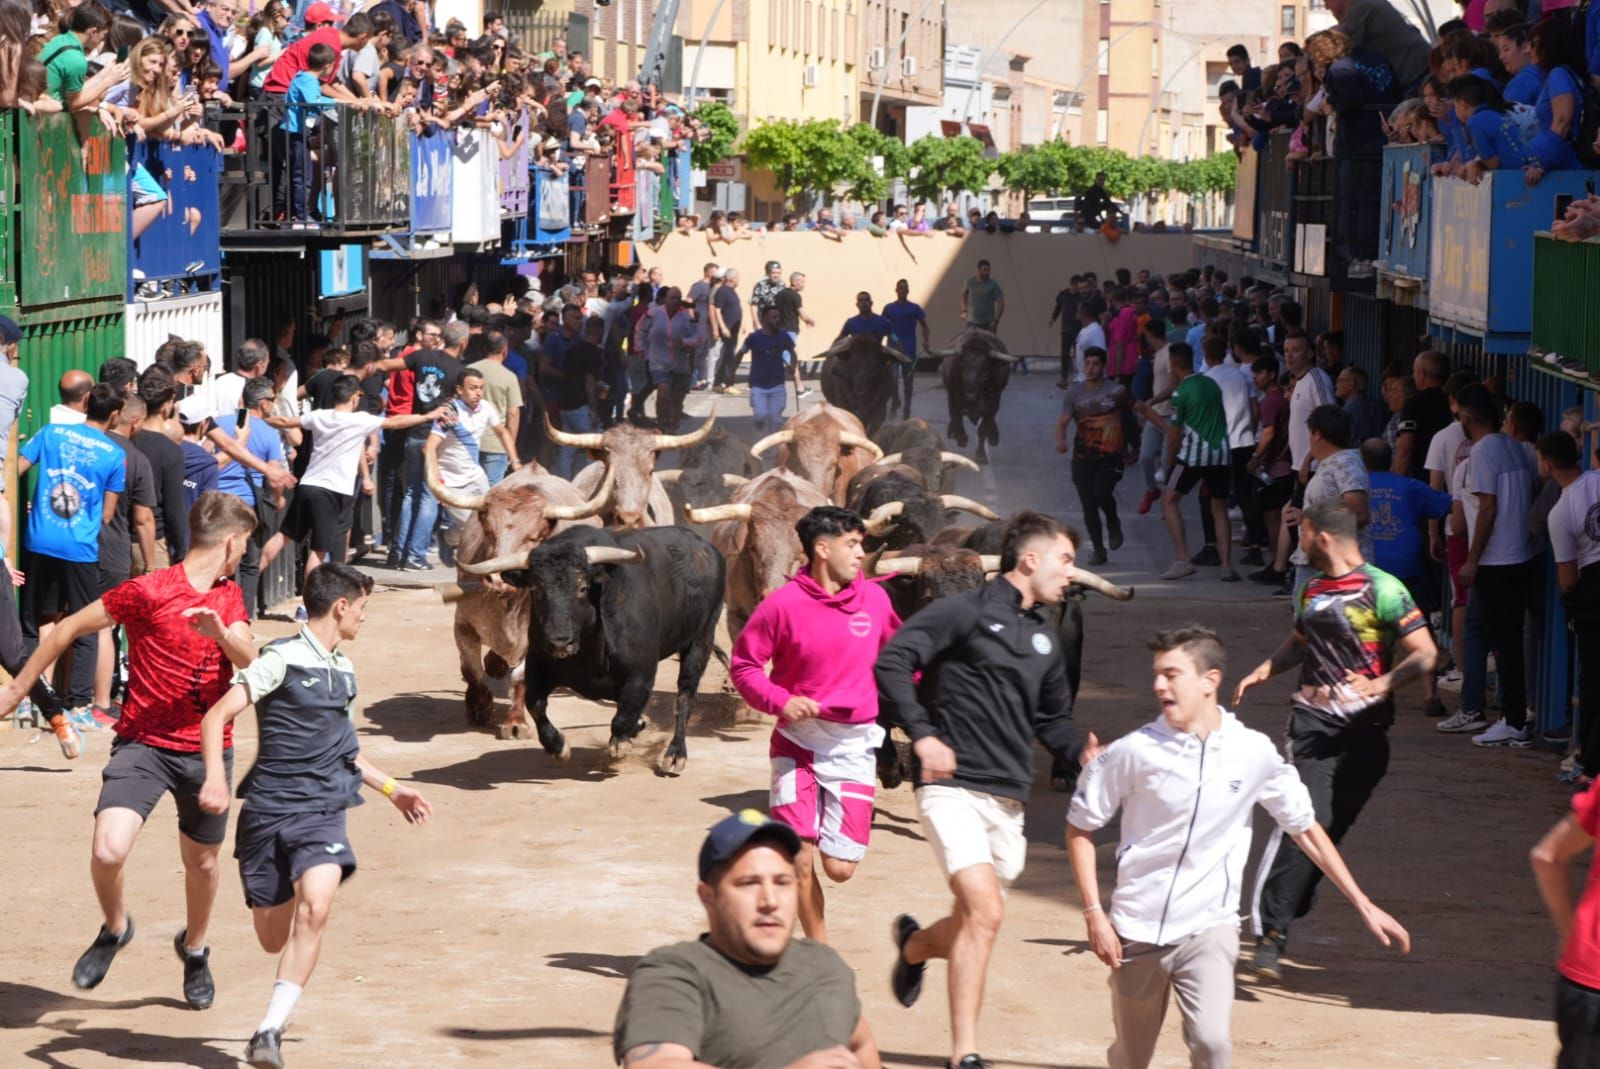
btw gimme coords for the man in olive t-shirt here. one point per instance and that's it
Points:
(747, 994)
(501, 388)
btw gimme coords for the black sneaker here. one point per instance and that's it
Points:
(1114, 538)
(1265, 963)
(1098, 557)
(265, 1050)
(906, 979)
(199, 990)
(1252, 558)
(971, 1061)
(96, 961)
(1267, 576)
(1435, 708)
(1207, 556)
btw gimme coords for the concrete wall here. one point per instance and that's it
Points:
(1031, 268)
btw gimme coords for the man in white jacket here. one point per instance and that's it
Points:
(1186, 784)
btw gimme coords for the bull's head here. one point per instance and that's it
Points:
(814, 448)
(914, 515)
(770, 546)
(565, 579)
(933, 572)
(630, 456)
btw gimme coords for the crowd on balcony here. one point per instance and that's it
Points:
(1507, 87)
(177, 76)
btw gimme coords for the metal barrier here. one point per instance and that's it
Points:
(184, 242)
(1275, 204)
(1316, 214)
(1244, 198)
(1564, 276)
(474, 188)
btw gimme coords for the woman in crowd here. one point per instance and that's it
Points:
(265, 30)
(1362, 89)
(1493, 132)
(1560, 103)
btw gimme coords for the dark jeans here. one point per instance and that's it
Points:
(727, 362)
(1096, 480)
(1208, 522)
(1502, 591)
(1244, 492)
(1359, 181)
(391, 483)
(904, 376)
(1340, 767)
(1577, 1025)
(1068, 342)
(14, 652)
(299, 175)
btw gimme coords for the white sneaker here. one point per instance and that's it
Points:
(1180, 569)
(1501, 733)
(1451, 680)
(1462, 721)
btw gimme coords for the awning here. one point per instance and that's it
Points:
(981, 132)
(949, 128)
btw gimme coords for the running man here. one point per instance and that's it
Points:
(771, 350)
(908, 320)
(1357, 638)
(291, 841)
(1186, 785)
(1578, 968)
(182, 623)
(821, 632)
(992, 680)
(1106, 431)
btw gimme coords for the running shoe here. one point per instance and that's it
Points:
(67, 735)
(804, 393)
(1114, 537)
(1252, 558)
(1180, 569)
(1267, 577)
(83, 719)
(906, 979)
(1147, 500)
(1501, 733)
(1207, 556)
(199, 990)
(1267, 963)
(1451, 680)
(95, 962)
(1462, 722)
(265, 1050)
(972, 1061)
(1098, 556)
(104, 718)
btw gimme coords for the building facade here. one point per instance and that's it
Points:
(902, 60)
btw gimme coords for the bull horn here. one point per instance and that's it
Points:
(452, 498)
(612, 555)
(684, 441)
(966, 504)
(1102, 586)
(731, 481)
(959, 460)
(772, 441)
(1003, 357)
(891, 459)
(897, 353)
(670, 476)
(858, 441)
(573, 441)
(991, 562)
(897, 566)
(939, 354)
(510, 562)
(589, 507)
(716, 513)
(878, 522)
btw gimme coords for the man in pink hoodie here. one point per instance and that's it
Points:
(1122, 339)
(821, 632)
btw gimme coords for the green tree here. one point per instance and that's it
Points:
(947, 164)
(807, 159)
(871, 184)
(724, 127)
(1032, 170)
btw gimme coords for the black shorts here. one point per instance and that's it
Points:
(1424, 589)
(1184, 477)
(57, 586)
(1276, 494)
(139, 774)
(324, 517)
(111, 579)
(276, 849)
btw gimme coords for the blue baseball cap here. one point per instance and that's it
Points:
(732, 834)
(10, 333)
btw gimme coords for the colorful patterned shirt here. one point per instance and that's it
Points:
(1351, 623)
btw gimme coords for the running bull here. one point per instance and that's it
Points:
(975, 370)
(638, 499)
(825, 445)
(858, 375)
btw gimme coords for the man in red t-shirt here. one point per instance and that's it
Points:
(1578, 969)
(292, 60)
(187, 630)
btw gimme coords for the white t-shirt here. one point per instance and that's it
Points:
(226, 390)
(1575, 522)
(1235, 386)
(1503, 467)
(1092, 336)
(360, 61)
(1312, 389)
(66, 417)
(1162, 381)
(338, 438)
(1443, 448)
(458, 452)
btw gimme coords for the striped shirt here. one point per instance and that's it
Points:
(1197, 408)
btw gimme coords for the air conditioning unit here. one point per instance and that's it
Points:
(813, 75)
(908, 66)
(877, 59)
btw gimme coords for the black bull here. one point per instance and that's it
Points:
(858, 376)
(608, 607)
(974, 373)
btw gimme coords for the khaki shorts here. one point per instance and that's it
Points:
(967, 827)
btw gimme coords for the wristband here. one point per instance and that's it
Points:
(388, 788)
(1096, 908)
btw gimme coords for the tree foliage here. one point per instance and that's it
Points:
(871, 183)
(724, 127)
(947, 164)
(807, 159)
(1059, 168)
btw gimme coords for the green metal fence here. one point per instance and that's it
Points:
(1564, 274)
(52, 347)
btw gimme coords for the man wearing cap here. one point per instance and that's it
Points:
(746, 994)
(764, 294)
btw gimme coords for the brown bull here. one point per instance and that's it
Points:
(825, 445)
(755, 531)
(637, 497)
(526, 508)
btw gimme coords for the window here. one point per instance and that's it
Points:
(1286, 14)
(1102, 126)
(1155, 58)
(1103, 59)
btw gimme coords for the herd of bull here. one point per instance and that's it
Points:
(588, 585)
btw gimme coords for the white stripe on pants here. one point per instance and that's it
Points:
(1199, 970)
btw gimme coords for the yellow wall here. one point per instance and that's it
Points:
(772, 62)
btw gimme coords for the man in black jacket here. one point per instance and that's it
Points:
(992, 681)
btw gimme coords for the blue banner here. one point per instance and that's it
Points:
(184, 240)
(342, 271)
(430, 181)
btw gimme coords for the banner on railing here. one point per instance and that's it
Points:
(74, 200)
(1458, 291)
(184, 240)
(1244, 198)
(515, 182)
(430, 182)
(474, 182)
(553, 218)
(1407, 210)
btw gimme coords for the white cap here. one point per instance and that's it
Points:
(196, 408)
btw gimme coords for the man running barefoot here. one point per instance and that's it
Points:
(182, 623)
(1186, 785)
(992, 681)
(821, 632)
(291, 842)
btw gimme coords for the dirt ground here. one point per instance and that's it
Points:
(501, 933)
